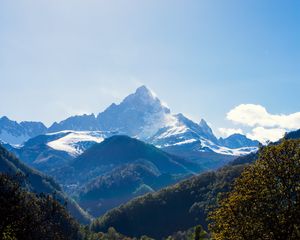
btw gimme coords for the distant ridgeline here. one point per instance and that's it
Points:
(65, 150)
(133, 168)
(119, 169)
(140, 115)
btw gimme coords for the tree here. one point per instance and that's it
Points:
(25, 215)
(199, 233)
(195, 233)
(265, 200)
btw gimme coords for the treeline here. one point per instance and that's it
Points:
(246, 199)
(25, 215)
(265, 200)
(174, 208)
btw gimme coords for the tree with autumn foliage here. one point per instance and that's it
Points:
(265, 200)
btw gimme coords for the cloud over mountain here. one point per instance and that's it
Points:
(256, 115)
(226, 132)
(266, 134)
(266, 126)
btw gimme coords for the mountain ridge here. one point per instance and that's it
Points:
(39, 183)
(143, 116)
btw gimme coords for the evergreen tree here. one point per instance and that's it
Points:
(24, 215)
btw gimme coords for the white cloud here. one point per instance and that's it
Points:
(226, 132)
(266, 134)
(265, 126)
(256, 115)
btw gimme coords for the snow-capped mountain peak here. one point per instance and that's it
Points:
(140, 115)
(145, 99)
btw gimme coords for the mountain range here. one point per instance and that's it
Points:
(135, 166)
(180, 206)
(118, 169)
(13, 132)
(140, 115)
(137, 146)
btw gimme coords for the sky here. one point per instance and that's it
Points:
(234, 63)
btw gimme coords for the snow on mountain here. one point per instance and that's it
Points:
(16, 133)
(237, 141)
(183, 131)
(225, 150)
(140, 115)
(49, 151)
(76, 142)
(77, 123)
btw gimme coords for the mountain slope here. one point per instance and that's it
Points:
(121, 149)
(53, 150)
(25, 215)
(118, 169)
(178, 207)
(237, 141)
(293, 135)
(143, 116)
(171, 209)
(13, 132)
(39, 183)
(116, 151)
(122, 184)
(139, 115)
(77, 123)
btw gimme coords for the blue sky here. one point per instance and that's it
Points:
(203, 58)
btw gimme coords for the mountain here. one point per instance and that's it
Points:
(293, 135)
(238, 141)
(178, 207)
(205, 157)
(39, 183)
(116, 151)
(122, 184)
(7, 146)
(207, 131)
(77, 123)
(26, 215)
(13, 132)
(139, 115)
(143, 116)
(118, 169)
(175, 208)
(53, 150)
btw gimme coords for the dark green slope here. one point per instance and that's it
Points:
(171, 209)
(122, 184)
(118, 169)
(38, 182)
(37, 154)
(116, 151)
(178, 207)
(293, 135)
(26, 215)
